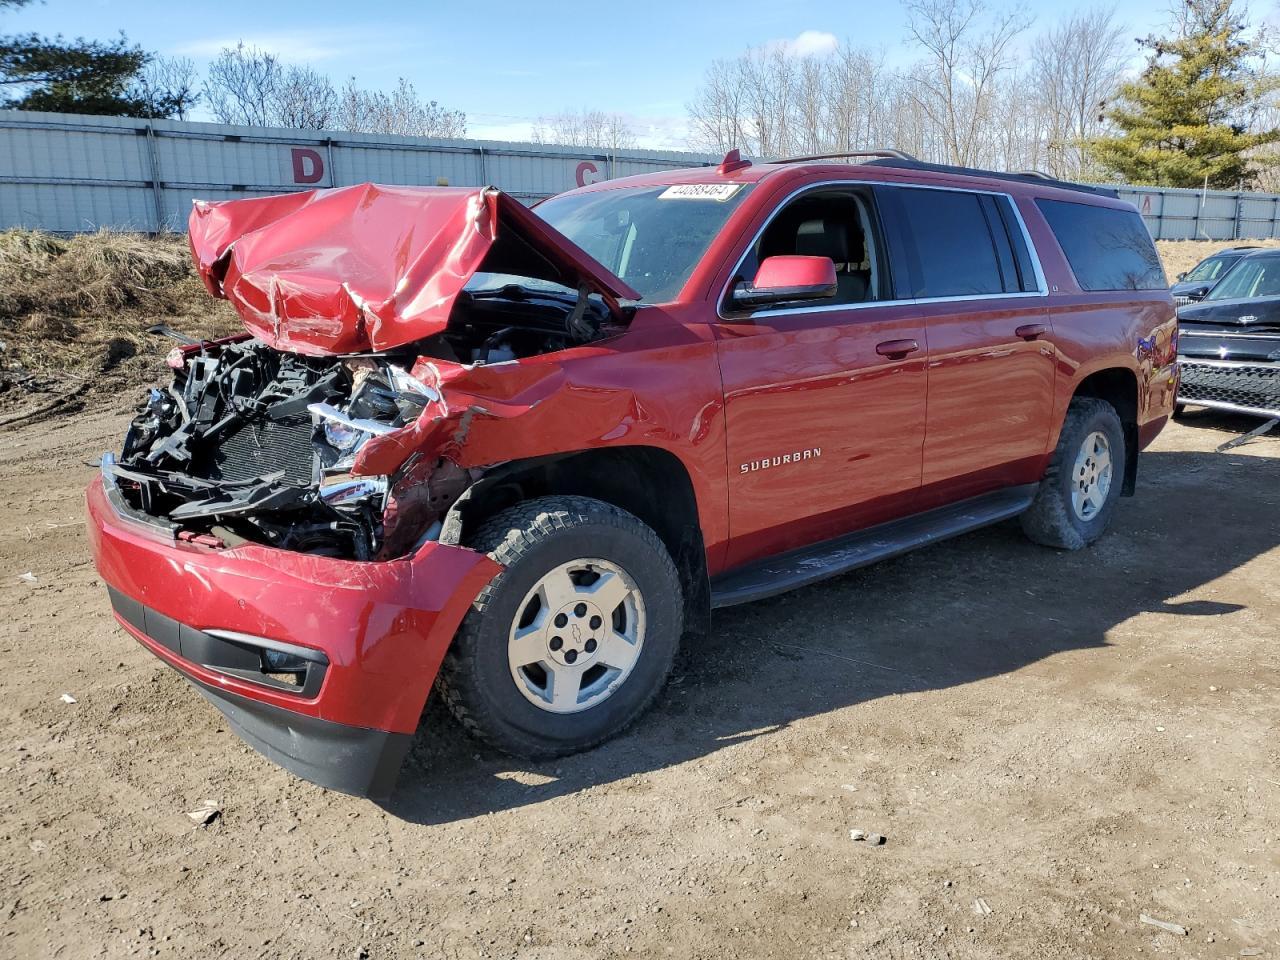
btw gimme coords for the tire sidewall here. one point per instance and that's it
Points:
(493, 680)
(1105, 421)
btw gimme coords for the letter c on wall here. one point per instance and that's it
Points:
(586, 169)
(308, 165)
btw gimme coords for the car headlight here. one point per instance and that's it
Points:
(345, 434)
(342, 437)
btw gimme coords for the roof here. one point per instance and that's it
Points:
(886, 169)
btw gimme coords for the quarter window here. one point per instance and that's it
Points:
(1108, 249)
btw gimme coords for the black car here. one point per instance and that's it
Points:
(1196, 283)
(1229, 342)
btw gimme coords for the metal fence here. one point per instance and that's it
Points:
(69, 173)
(1173, 214)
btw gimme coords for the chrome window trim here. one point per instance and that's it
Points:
(1042, 286)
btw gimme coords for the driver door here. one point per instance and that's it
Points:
(824, 401)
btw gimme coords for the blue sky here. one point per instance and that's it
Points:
(505, 63)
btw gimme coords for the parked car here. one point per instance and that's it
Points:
(1229, 343)
(1195, 284)
(520, 454)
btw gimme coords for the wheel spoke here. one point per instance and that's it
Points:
(529, 644)
(557, 589)
(564, 683)
(616, 651)
(609, 591)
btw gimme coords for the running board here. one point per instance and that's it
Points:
(799, 568)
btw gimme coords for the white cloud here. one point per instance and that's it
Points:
(807, 43)
(294, 46)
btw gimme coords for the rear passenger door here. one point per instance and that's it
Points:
(991, 362)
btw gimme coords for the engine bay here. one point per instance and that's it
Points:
(253, 444)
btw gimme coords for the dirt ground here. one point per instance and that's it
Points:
(1053, 744)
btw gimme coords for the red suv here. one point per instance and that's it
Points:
(520, 454)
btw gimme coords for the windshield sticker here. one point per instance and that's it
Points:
(700, 191)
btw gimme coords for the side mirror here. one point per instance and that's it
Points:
(787, 279)
(1182, 275)
(1199, 293)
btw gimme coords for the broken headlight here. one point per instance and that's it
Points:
(345, 434)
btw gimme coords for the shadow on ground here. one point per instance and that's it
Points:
(975, 607)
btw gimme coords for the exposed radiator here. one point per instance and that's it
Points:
(252, 450)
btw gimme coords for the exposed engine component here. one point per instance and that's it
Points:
(249, 443)
(494, 321)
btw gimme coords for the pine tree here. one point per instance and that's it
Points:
(80, 76)
(1189, 118)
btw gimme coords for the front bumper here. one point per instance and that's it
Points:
(1238, 385)
(372, 636)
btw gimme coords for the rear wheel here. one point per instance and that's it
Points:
(1078, 492)
(576, 636)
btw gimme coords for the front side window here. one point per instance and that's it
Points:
(836, 224)
(651, 237)
(1209, 270)
(1108, 249)
(1252, 277)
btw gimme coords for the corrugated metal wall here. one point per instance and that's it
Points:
(70, 173)
(1173, 214)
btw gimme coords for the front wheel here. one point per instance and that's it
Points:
(576, 636)
(1079, 490)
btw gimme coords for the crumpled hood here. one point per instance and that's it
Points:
(372, 267)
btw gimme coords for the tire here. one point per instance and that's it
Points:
(528, 710)
(1056, 518)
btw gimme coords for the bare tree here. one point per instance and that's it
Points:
(1076, 67)
(966, 53)
(303, 100)
(401, 112)
(586, 128)
(241, 85)
(252, 87)
(169, 81)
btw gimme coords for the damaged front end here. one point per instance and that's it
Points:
(351, 296)
(252, 444)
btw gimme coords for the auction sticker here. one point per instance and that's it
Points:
(700, 191)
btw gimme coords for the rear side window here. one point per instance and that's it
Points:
(1108, 249)
(964, 244)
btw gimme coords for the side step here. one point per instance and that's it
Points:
(774, 575)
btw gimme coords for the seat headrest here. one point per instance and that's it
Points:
(823, 238)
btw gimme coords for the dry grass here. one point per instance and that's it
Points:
(1182, 255)
(74, 311)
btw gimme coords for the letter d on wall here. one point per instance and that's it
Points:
(308, 166)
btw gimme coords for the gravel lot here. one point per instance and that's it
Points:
(1053, 745)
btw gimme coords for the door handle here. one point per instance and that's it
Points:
(1029, 331)
(896, 348)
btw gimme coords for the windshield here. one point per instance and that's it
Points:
(1251, 277)
(651, 237)
(1210, 269)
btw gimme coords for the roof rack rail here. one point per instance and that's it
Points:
(890, 154)
(1020, 177)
